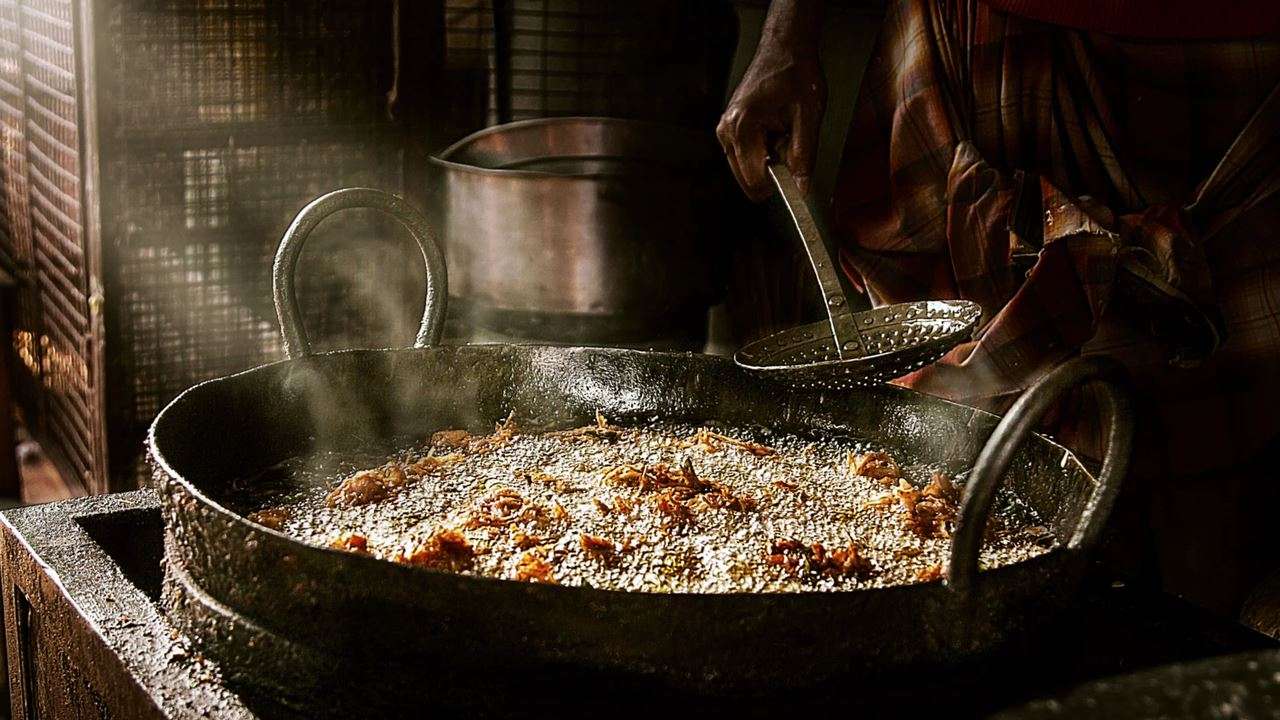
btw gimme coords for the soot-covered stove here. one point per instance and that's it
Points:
(86, 638)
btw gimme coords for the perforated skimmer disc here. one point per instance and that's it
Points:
(897, 339)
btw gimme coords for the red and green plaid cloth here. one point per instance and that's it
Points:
(969, 116)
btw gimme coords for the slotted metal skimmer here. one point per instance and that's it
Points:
(849, 348)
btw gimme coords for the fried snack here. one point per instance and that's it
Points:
(273, 518)
(877, 465)
(443, 550)
(796, 557)
(351, 542)
(657, 508)
(533, 567)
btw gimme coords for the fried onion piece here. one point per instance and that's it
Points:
(684, 484)
(351, 542)
(545, 478)
(877, 464)
(451, 439)
(795, 556)
(602, 430)
(674, 510)
(533, 567)
(929, 574)
(503, 507)
(841, 562)
(502, 435)
(524, 540)
(884, 501)
(941, 487)
(273, 518)
(444, 550)
(361, 488)
(600, 548)
(429, 464)
(907, 552)
(929, 513)
(712, 442)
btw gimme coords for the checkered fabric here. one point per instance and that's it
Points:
(1031, 168)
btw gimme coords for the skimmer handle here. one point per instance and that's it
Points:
(296, 342)
(1014, 428)
(844, 331)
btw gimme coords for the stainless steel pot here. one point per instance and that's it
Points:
(582, 230)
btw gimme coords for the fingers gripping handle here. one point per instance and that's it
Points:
(296, 342)
(1013, 430)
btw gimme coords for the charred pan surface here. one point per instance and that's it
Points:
(339, 617)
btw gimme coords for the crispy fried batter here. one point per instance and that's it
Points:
(877, 464)
(601, 506)
(273, 518)
(558, 512)
(351, 542)
(444, 550)
(533, 567)
(784, 485)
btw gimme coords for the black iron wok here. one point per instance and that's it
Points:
(323, 632)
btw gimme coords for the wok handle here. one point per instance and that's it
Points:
(1014, 428)
(296, 342)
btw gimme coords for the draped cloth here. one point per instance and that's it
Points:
(1072, 184)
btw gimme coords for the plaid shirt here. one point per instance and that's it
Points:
(969, 116)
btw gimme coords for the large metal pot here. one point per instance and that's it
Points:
(582, 230)
(336, 634)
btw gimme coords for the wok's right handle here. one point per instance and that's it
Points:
(1014, 428)
(296, 342)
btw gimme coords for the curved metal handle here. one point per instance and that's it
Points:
(296, 342)
(1013, 429)
(844, 331)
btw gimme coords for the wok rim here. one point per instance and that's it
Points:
(1059, 549)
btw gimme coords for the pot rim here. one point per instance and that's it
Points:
(442, 158)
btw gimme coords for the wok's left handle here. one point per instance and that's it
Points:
(1014, 428)
(296, 342)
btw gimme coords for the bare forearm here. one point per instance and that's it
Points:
(792, 24)
(779, 99)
